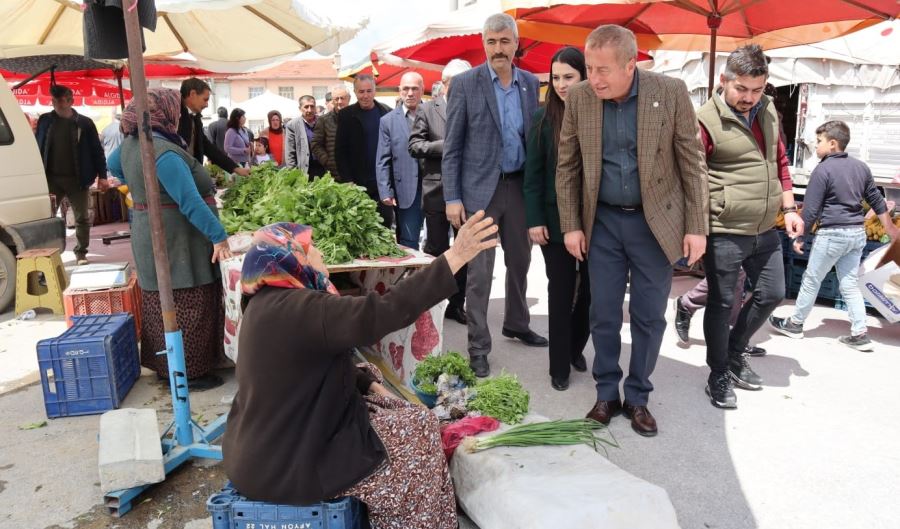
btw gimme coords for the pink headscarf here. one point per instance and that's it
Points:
(164, 107)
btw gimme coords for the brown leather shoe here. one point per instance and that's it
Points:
(604, 410)
(642, 420)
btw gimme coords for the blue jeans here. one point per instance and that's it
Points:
(841, 248)
(409, 222)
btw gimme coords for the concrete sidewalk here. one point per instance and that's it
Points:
(815, 449)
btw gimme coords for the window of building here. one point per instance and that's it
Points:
(255, 91)
(319, 92)
(286, 91)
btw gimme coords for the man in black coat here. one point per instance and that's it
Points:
(73, 158)
(194, 98)
(357, 141)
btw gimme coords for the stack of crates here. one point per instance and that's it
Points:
(230, 510)
(83, 302)
(90, 367)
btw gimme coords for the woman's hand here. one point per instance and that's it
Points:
(220, 251)
(379, 389)
(476, 235)
(539, 235)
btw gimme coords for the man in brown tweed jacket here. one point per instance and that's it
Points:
(633, 199)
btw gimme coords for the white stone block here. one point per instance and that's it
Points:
(130, 449)
(555, 486)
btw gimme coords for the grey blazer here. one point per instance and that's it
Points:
(396, 171)
(473, 147)
(426, 142)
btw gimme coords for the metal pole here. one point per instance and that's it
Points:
(118, 72)
(713, 21)
(148, 162)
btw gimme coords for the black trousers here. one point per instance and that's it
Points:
(437, 242)
(386, 212)
(761, 257)
(569, 301)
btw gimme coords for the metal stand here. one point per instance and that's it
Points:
(183, 438)
(179, 442)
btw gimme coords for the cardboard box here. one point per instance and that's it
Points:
(879, 281)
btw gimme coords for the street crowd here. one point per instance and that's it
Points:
(615, 177)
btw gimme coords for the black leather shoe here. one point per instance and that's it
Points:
(480, 365)
(580, 364)
(528, 337)
(457, 313)
(559, 384)
(753, 350)
(682, 321)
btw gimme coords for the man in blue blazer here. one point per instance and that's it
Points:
(398, 173)
(488, 116)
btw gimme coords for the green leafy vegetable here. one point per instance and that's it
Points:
(33, 426)
(345, 221)
(567, 432)
(451, 362)
(501, 397)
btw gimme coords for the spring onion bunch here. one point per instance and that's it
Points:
(559, 432)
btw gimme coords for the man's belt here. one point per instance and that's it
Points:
(512, 175)
(637, 207)
(210, 200)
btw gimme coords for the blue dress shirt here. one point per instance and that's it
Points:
(512, 123)
(620, 183)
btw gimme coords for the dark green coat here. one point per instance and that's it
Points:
(540, 178)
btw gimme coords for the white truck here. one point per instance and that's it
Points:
(26, 219)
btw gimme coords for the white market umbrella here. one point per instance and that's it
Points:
(259, 107)
(220, 35)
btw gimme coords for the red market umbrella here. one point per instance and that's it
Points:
(716, 25)
(387, 76)
(90, 92)
(459, 36)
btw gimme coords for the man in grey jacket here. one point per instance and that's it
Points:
(426, 142)
(216, 130)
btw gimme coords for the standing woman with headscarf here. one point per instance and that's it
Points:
(195, 240)
(307, 424)
(275, 134)
(237, 138)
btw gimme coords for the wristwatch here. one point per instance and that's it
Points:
(789, 209)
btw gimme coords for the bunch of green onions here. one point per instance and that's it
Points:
(559, 432)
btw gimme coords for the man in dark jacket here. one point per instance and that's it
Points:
(194, 98)
(73, 159)
(356, 144)
(216, 129)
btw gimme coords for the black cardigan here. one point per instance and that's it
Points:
(298, 431)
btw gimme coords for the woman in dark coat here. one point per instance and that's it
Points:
(195, 241)
(307, 424)
(569, 295)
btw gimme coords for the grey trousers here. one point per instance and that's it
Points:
(79, 202)
(507, 208)
(622, 246)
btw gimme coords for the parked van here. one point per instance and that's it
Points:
(26, 219)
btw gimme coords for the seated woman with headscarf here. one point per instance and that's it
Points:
(195, 240)
(307, 424)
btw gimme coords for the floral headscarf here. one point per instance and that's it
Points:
(278, 258)
(164, 107)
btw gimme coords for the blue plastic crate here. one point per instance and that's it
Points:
(91, 367)
(230, 510)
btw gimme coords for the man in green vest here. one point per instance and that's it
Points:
(749, 183)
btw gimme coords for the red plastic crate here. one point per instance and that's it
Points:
(79, 302)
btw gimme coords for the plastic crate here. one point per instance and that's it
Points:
(90, 367)
(230, 510)
(80, 302)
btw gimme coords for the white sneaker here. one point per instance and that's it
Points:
(82, 261)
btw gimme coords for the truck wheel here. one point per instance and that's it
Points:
(7, 277)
